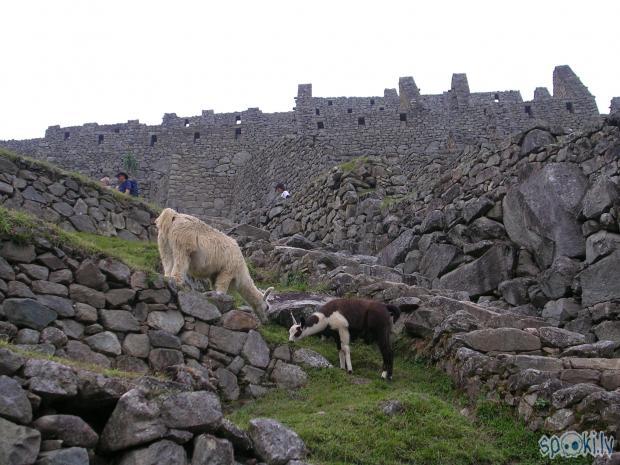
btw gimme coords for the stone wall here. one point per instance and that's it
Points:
(73, 203)
(176, 354)
(533, 223)
(197, 163)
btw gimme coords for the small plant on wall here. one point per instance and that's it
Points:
(130, 163)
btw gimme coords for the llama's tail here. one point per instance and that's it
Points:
(394, 311)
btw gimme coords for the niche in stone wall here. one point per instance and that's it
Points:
(403, 116)
(100, 139)
(330, 103)
(317, 112)
(237, 133)
(186, 123)
(569, 107)
(496, 98)
(196, 136)
(67, 135)
(528, 111)
(117, 130)
(153, 139)
(349, 110)
(320, 125)
(361, 121)
(372, 101)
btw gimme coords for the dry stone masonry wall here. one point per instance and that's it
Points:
(61, 198)
(199, 164)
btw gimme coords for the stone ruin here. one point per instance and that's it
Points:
(201, 164)
(504, 256)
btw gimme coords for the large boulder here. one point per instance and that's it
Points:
(28, 313)
(72, 430)
(18, 445)
(14, 403)
(274, 443)
(599, 281)
(50, 379)
(396, 251)
(209, 450)
(438, 259)
(288, 376)
(600, 197)
(134, 421)
(555, 282)
(501, 340)
(70, 456)
(197, 411)
(484, 274)
(196, 305)
(540, 214)
(160, 452)
(255, 350)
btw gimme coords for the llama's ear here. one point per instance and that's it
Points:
(267, 292)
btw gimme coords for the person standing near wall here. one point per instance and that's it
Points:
(126, 185)
(282, 192)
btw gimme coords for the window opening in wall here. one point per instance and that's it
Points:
(237, 133)
(153, 140)
(238, 119)
(100, 139)
(186, 123)
(67, 135)
(496, 98)
(381, 108)
(350, 110)
(320, 125)
(403, 116)
(330, 103)
(117, 130)
(528, 111)
(317, 112)
(196, 136)
(569, 107)
(372, 101)
(361, 121)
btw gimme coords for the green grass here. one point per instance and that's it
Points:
(352, 164)
(342, 423)
(23, 228)
(139, 255)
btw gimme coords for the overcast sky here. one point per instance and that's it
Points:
(73, 62)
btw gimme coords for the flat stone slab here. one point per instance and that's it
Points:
(501, 340)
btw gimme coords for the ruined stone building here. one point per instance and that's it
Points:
(226, 164)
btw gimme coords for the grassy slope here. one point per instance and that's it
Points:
(342, 422)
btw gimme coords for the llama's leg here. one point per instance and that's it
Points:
(180, 267)
(341, 354)
(385, 347)
(345, 339)
(222, 282)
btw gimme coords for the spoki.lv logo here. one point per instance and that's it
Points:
(575, 444)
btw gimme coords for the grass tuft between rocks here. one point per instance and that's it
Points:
(23, 228)
(340, 417)
(109, 372)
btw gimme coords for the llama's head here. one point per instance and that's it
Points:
(264, 305)
(306, 327)
(165, 218)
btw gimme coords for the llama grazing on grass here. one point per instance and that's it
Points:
(188, 246)
(347, 319)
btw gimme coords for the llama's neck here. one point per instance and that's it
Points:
(251, 294)
(316, 328)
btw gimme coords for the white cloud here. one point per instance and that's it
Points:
(71, 62)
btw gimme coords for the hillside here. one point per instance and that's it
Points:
(102, 362)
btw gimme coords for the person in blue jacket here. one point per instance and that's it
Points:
(126, 185)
